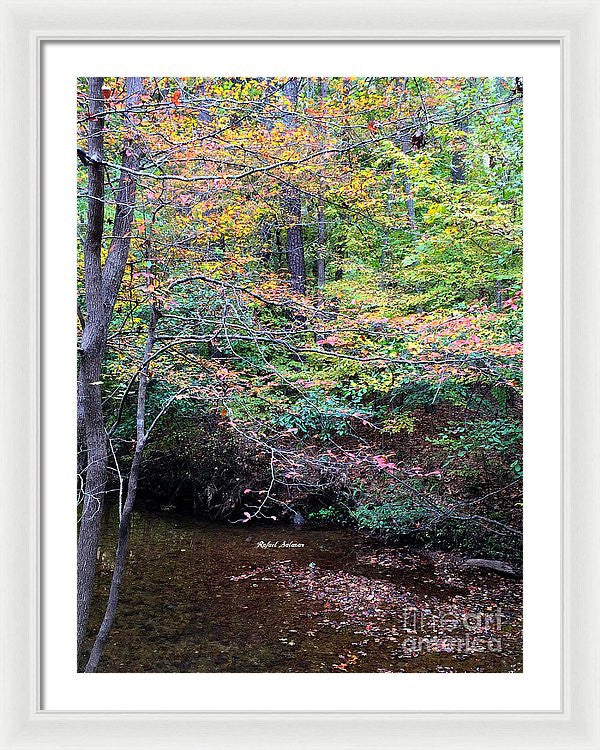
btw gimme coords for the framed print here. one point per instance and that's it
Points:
(299, 404)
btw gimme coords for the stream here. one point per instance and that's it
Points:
(199, 597)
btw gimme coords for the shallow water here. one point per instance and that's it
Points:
(212, 598)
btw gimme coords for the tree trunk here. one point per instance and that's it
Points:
(408, 197)
(405, 143)
(498, 295)
(344, 218)
(101, 288)
(294, 249)
(90, 420)
(408, 194)
(457, 164)
(321, 246)
(293, 210)
(123, 542)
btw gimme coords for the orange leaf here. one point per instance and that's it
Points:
(176, 96)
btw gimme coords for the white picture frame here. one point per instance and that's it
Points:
(26, 25)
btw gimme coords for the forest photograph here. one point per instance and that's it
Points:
(300, 374)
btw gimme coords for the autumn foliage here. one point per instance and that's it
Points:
(388, 394)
